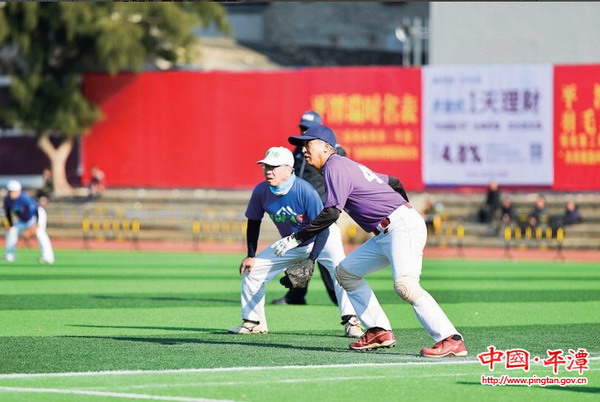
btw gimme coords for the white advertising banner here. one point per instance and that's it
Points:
(487, 122)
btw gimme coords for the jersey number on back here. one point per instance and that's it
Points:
(369, 175)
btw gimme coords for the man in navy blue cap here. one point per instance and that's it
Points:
(378, 204)
(302, 169)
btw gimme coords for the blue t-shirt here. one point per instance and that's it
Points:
(290, 212)
(24, 207)
(364, 194)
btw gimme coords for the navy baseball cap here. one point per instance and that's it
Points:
(310, 119)
(315, 133)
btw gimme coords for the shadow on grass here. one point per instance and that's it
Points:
(166, 341)
(212, 331)
(95, 276)
(85, 301)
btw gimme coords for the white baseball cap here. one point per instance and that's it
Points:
(277, 156)
(13, 185)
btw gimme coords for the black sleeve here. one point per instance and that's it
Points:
(319, 245)
(397, 186)
(252, 233)
(6, 208)
(325, 219)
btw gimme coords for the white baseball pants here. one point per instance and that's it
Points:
(267, 266)
(12, 237)
(402, 247)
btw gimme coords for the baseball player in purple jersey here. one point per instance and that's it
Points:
(291, 203)
(378, 203)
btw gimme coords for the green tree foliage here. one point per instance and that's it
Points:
(46, 47)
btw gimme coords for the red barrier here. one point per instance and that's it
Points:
(195, 129)
(577, 127)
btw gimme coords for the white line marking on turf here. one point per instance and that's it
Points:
(242, 368)
(235, 383)
(286, 381)
(109, 394)
(226, 369)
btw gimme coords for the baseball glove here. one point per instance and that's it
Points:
(298, 275)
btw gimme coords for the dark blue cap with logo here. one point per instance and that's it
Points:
(315, 133)
(310, 119)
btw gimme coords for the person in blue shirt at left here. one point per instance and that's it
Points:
(291, 203)
(23, 215)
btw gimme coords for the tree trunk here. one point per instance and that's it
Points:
(58, 161)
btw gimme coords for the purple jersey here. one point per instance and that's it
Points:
(364, 194)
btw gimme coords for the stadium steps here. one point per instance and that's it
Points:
(218, 215)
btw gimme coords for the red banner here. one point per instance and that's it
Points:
(376, 115)
(195, 129)
(577, 127)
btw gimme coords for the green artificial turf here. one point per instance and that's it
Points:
(121, 311)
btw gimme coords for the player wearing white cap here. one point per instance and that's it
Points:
(378, 204)
(291, 203)
(28, 217)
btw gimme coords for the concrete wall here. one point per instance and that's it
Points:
(348, 25)
(514, 32)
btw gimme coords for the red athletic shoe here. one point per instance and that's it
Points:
(374, 338)
(446, 347)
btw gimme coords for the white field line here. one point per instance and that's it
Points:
(292, 381)
(283, 381)
(228, 369)
(242, 368)
(106, 394)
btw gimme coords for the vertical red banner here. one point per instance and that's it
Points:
(577, 127)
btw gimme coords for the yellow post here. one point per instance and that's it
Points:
(437, 225)
(538, 237)
(116, 225)
(560, 235)
(135, 228)
(507, 238)
(460, 235)
(85, 227)
(97, 232)
(528, 235)
(508, 234)
(196, 228)
(518, 235)
(195, 233)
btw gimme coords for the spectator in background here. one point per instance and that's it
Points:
(507, 212)
(47, 187)
(572, 215)
(96, 186)
(430, 212)
(539, 213)
(491, 204)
